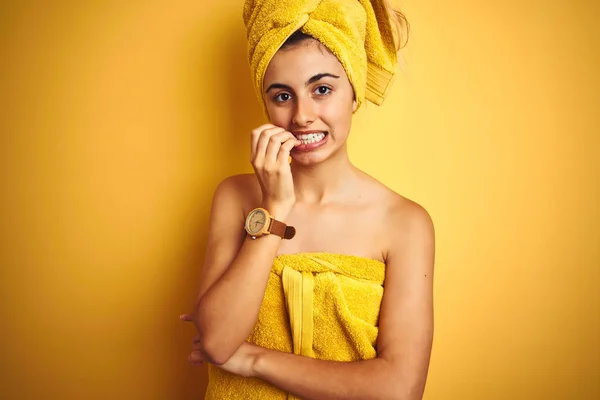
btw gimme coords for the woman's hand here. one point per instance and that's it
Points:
(240, 363)
(270, 149)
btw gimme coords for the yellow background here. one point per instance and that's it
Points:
(118, 119)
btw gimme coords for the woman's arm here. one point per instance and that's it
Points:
(313, 379)
(236, 269)
(234, 276)
(405, 331)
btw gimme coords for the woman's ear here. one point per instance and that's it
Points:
(354, 104)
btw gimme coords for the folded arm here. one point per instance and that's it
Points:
(405, 331)
(235, 273)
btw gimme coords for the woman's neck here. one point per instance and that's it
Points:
(327, 181)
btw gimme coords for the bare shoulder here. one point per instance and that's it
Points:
(411, 235)
(406, 215)
(242, 188)
(240, 182)
(400, 210)
(404, 222)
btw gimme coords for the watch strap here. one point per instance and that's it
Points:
(280, 229)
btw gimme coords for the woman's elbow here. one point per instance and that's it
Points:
(402, 386)
(213, 351)
(212, 344)
(407, 391)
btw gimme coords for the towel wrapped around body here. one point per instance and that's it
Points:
(319, 305)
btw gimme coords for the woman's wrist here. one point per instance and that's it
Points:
(279, 211)
(258, 362)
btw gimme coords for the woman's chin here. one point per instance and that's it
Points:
(308, 158)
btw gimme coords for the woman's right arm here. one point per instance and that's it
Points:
(237, 268)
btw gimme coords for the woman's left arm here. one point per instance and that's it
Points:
(405, 331)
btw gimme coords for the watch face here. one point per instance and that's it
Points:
(256, 222)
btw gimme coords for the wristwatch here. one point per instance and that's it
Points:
(259, 222)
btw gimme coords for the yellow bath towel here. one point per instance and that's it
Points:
(319, 305)
(358, 32)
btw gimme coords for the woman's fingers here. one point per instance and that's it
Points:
(186, 318)
(255, 136)
(286, 148)
(275, 142)
(261, 136)
(274, 176)
(195, 358)
(196, 340)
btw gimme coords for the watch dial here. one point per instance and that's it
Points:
(256, 221)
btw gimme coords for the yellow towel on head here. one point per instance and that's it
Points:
(319, 305)
(358, 32)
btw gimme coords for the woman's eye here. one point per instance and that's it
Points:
(281, 97)
(323, 90)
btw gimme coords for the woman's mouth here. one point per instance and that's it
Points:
(311, 140)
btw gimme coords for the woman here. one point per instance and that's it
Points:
(296, 299)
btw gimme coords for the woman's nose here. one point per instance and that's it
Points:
(304, 114)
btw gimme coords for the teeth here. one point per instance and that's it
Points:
(311, 137)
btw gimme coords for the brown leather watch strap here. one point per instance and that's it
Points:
(280, 229)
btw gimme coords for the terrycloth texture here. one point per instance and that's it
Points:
(358, 32)
(319, 305)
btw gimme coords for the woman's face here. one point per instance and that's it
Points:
(307, 92)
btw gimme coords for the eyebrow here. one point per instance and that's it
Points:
(313, 79)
